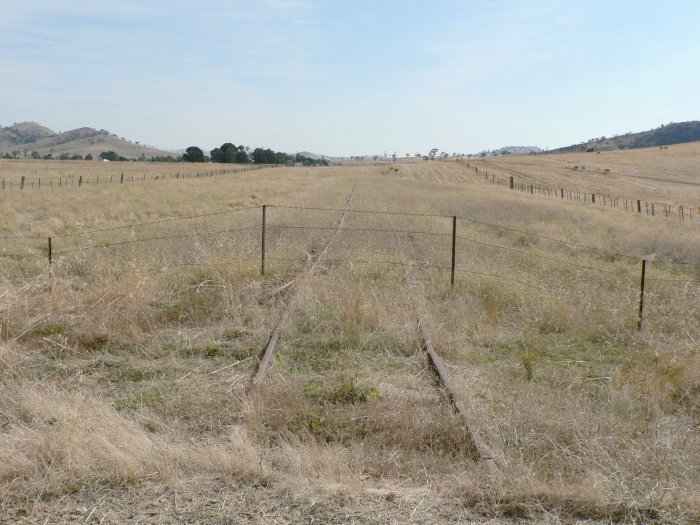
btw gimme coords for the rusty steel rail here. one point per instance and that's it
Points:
(485, 454)
(269, 349)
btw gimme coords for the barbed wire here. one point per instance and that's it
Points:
(167, 237)
(468, 219)
(17, 237)
(160, 221)
(533, 254)
(209, 263)
(358, 211)
(672, 280)
(570, 243)
(380, 230)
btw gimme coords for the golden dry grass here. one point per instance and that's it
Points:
(668, 176)
(125, 369)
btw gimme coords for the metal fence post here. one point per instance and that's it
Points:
(454, 250)
(641, 294)
(262, 247)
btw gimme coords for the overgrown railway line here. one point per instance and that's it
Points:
(483, 452)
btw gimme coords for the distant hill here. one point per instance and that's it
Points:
(309, 155)
(25, 138)
(508, 150)
(673, 133)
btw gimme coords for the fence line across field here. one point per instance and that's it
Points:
(604, 199)
(408, 214)
(307, 227)
(620, 274)
(73, 181)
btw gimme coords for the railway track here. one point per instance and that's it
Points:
(271, 344)
(485, 455)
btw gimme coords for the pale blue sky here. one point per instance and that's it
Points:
(351, 77)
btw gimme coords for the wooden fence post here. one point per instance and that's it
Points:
(510, 183)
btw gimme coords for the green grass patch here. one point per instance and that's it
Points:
(151, 398)
(346, 392)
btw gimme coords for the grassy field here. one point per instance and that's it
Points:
(668, 175)
(125, 367)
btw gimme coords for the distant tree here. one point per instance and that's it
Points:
(76, 157)
(215, 155)
(88, 156)
(432, 153)
(193, 154)
(264, 156)
(242, 155)
(226, 153)
(48, 156)
(109, 155)
(35, 155)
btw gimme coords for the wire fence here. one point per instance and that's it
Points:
(78, 181)
(444, 250)
(636, 206)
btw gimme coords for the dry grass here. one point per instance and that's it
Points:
(125, 369)
(651, 174)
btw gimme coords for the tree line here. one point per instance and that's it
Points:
(228, 153)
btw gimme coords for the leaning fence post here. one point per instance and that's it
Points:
(262, 247)
(641, 294)
(454, 250)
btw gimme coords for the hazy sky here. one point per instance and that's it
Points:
(347, 77)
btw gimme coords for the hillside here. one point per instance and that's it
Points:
(23, 139)
(674, 133)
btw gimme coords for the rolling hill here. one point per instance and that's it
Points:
(673, 133)
(23, 139)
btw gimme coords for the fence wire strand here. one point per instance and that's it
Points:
(162, 238)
